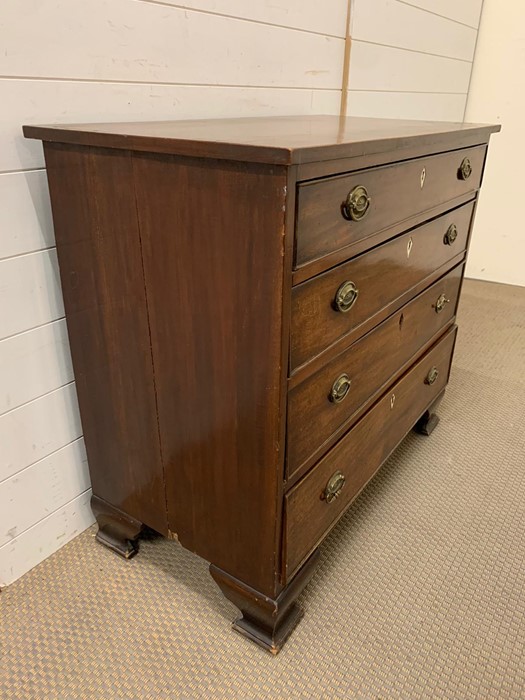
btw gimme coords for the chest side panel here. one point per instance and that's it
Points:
(213, 247)
(98, 248)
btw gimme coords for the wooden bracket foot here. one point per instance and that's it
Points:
(429, 419)
(426, 423)
(266, 621)
(116, 530)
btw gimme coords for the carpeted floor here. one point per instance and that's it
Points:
(420, 592)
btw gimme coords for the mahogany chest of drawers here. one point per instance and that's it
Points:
(259, 310)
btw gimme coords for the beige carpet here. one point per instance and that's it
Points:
(420, 592)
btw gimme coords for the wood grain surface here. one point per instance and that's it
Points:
(213, 247)
(397, 192)
(279, 140)
(382, 276)
(98, 247)
(360, 453)
(371, 363)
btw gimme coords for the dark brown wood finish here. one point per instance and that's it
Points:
(382, 276)
(99, 254)
(176, 244)
(315, 420)
(277, 140)
(409, 150)
(358, 455)
(397, 192)
(213, 246)
(266, 621)
(116, 530)
(319, 265)
(289, 227)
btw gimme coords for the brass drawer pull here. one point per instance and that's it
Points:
(334, 487)
(465, 169)
(451, 234)
(432, 376)
(340, 388)
(441, 303)
(357, 203)
(346, 296)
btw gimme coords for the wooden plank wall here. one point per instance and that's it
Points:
(123, 60)
(411, 60)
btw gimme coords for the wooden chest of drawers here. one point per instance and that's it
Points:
(259, 310)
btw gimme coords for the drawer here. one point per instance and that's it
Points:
(325, 402)
(379, 198)
(353, 297)
(313, 506)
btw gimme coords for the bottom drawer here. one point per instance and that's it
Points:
(310, 508)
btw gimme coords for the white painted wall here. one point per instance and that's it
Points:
(103, 60)
(413, 59)
(497, 95)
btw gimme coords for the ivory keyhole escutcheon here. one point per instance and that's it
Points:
(422, 177)
(392, 401)
(409, 246)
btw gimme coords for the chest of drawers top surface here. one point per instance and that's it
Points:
(259, 310)
(280, 140)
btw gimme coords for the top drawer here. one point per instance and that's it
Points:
(339, 211)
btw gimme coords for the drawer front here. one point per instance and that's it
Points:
(316, 503)
(379, 198)
(325, 309)
(327, 400)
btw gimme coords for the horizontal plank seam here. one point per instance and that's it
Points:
(115, 81)
(404, 48)
(49, 323)
(32, 252)
(21, 171)
(430, 12)
(408, 92)
(26, 252)
(37, 398)
(49, 515)
(32, 328)
(195, 10)
(33, 464)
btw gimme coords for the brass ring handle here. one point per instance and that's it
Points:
(334, 487)
(340, 388)
(357, 203)
(432, 376)
(346, 296)
(451, 234)
(441, 302)
(465, 169)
